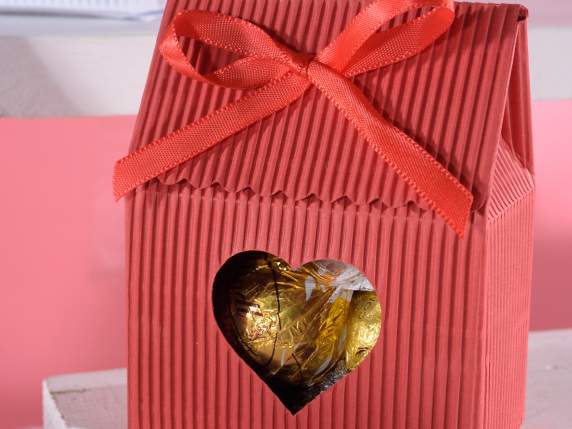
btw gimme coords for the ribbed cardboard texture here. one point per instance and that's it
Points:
(303, 186)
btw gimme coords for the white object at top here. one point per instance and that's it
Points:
(77, 66)
(104, 8)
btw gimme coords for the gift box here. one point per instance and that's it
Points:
(303, 183)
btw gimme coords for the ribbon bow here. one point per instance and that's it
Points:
(275, 76)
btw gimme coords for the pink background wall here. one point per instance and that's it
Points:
(62, 307)
(552, 287)
(61, 257)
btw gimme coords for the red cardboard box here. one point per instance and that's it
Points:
(302, 185)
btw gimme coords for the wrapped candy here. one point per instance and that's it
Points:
(300, 330)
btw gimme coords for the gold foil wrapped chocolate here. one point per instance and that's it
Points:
(300, 330)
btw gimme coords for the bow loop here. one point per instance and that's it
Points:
(263, 60)
(400, 43)
(361, 38)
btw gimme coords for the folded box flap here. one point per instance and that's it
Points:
(450, 99)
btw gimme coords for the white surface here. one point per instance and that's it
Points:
(73, 66)
(550, 50)
(80, 66)
(32, 26)
(73, 76)
(544, 12)
(98, 400)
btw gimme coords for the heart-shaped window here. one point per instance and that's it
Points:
(301, 330)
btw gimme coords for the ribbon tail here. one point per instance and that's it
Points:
(432, 182)
(178, 147)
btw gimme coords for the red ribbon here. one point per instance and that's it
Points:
(277, 76)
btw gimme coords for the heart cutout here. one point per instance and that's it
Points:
(301, 330)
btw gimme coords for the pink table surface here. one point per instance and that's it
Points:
(61, 248)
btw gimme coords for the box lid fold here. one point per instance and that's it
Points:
(451, 99)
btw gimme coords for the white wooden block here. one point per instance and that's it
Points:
(549, 387)
(97, 400)
(92, 400)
